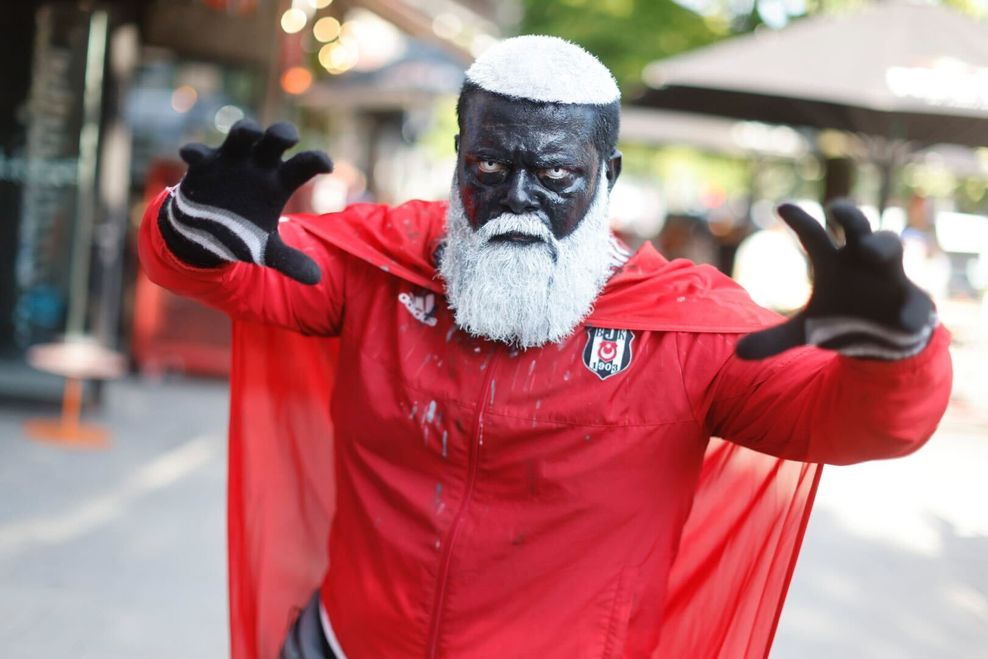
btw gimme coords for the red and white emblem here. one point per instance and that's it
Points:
(608, 351)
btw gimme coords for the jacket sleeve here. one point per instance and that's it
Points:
(814, 405)
(249, 292)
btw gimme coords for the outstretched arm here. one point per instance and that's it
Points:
(218, 236)
(862, 372)
(817, 405)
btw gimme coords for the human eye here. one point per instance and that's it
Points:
(490, 167)
(555, 173)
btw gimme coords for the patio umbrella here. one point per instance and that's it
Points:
(901, 75)
(893, 69)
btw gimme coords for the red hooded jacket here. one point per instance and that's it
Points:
(564, 501)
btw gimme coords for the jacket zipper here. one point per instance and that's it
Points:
(473, 458)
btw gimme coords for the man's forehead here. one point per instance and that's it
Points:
(545, 143)
(491, 119)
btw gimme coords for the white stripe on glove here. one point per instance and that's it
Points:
(192, 217)
(201, 238)
(873, 341)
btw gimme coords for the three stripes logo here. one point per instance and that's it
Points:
(422, 307)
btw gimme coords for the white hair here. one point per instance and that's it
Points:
(525, 294)
(544, 69)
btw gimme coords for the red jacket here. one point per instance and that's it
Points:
(499, 503)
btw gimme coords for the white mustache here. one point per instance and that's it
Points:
(528, 224)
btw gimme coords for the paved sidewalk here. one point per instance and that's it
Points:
(895, 560)
(120, 553)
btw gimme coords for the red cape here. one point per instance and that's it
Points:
(739, 545)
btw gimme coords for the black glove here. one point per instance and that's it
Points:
(228, 204)
(862, 305)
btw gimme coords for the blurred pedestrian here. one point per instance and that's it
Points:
(923, 259)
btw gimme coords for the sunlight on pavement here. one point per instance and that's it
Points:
(906, 501)
(102, 508)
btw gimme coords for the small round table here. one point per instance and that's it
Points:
(77, 360)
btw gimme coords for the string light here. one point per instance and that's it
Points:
(183, 98)
(293, 20)
(326, 29)
(296, 80)
(324, 54)
(226, 116)
(339, 57)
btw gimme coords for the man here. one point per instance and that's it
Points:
(522, 408)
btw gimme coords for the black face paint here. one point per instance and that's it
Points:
(525, 157)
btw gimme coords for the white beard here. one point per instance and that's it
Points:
(525, 295)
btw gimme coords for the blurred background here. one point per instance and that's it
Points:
(112, 530)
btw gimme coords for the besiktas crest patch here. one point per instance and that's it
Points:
(608, 351)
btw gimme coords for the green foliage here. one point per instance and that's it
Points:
(625, 34)
(974, 8)
(437, 140)
(680, 167)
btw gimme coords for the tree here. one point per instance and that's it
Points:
(625, 34)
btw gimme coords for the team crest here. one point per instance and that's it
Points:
(422, 307)
(608, 351)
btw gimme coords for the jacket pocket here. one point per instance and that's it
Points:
(620, 613)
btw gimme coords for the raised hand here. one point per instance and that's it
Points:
(862, 304)
(228, 204)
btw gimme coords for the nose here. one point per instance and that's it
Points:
(519, 198)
